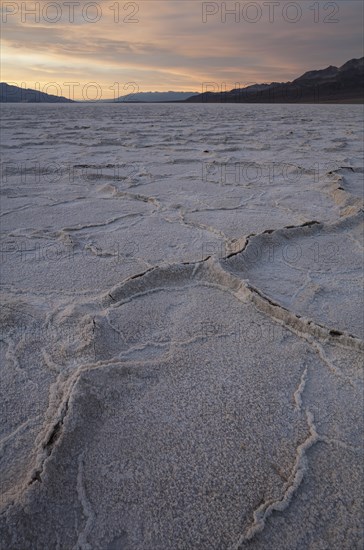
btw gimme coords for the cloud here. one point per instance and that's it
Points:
(171, 45)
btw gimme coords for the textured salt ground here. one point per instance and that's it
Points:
(315, 271)
(197, 404)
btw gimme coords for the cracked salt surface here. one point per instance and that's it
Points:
(181, 331)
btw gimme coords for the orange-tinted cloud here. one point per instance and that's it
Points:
(165, 44)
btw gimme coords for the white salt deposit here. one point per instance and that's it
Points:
(181, 327)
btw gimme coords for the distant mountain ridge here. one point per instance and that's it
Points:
(155, 97)
(14, 94)
(333, 84)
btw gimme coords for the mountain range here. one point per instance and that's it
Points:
(14, 94)
(343, 84)
(155, 97)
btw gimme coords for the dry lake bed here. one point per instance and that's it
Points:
(181, 327)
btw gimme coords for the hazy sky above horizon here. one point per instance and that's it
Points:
(172, 44)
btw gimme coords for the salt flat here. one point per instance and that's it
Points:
(182, 327)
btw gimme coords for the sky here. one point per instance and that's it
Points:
(100, 50)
